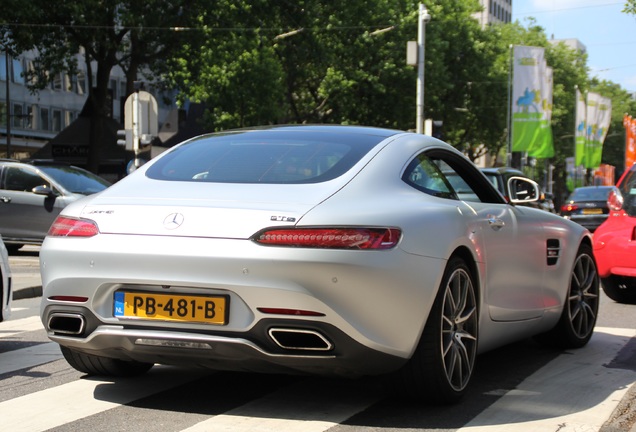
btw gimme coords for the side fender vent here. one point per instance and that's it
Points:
(553, 251)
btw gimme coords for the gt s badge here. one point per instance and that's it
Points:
(282, 218)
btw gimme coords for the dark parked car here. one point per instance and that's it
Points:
(587, 206)
(500, 176)
(33, 194)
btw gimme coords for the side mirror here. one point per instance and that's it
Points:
(615, 200)
(43, 190)
(523, 190)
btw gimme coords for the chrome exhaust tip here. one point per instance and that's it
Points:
(66, 323)
(300, 339)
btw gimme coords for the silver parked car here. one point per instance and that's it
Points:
(6, 293)
(329, 250)
(33, 194)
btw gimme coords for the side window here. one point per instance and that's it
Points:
(445, 174)
(424, 175)
(22, 179)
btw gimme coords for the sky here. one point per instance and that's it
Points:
(608, 34)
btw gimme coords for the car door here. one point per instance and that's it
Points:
(509, 241)
(25, 215)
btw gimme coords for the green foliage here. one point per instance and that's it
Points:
(269, 61)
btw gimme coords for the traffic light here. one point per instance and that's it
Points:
(124, 138)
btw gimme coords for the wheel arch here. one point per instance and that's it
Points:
(467, 256)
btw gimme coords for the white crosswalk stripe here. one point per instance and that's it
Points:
(555, 397)
(12, 327)
(78, 399)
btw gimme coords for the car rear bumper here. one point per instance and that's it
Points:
(328, 350)
(371, 305)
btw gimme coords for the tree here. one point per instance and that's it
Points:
(127, 33)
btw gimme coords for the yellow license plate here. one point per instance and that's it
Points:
(593, 211)
(171, 307)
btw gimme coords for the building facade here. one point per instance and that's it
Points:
(29, 120)
(494, 11)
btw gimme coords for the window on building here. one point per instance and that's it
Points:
(56, 84)
(16, 116)
(56, 120)
(112, 86)
(44, 119)
(29, 119)
(69, 117)
(3, 114)
(3, 67)
(18, 71)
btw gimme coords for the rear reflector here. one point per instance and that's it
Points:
(72, 227)
(331, 238)
(72, 299)
(297, 312)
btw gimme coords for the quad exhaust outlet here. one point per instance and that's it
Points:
(299, 339)
(67, 323)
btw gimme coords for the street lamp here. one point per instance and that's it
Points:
(423, 18)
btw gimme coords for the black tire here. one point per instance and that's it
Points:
(103, 366)
(576, 325)
(621, 289)
(442, 366)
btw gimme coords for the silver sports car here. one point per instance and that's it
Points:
(329, 250)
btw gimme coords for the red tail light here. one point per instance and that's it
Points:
(569, 207)
(72, 227)
(331, 238)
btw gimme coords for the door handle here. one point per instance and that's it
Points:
(495, 223)
(5, 199)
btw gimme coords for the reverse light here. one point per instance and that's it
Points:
(331, 238)
(72, 227)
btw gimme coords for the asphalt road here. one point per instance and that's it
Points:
(27, 284)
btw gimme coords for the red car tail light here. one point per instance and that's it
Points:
(331, 238)
(71, 227)
(569, 207)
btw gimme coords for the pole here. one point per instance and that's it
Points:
(576, 116)
(424, 17)
(6, 52)
(509, 110)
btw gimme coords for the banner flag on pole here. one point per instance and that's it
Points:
(580, 129)
(598, 119)
(630, 140)
(527, 100)
(544, 146)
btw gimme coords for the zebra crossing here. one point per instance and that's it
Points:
(576, 391)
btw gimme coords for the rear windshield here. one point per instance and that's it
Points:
(590, 194)
(264, 157)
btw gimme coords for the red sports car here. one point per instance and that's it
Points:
(615, 242)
